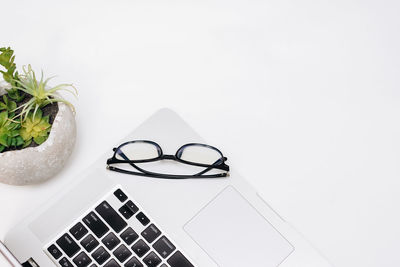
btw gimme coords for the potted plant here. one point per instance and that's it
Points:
(37, 125)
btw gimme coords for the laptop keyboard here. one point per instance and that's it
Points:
(116, 233)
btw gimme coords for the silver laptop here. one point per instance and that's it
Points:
(112, 219)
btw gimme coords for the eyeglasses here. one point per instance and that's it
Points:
(133, 153)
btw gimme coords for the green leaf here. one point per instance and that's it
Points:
(40, 139)
(38, 115)
(27, 143)
(2, 148)
(7, 105)
(3, 140)
(14, 132)
(20, 141)
(13, 142)
(3, 117)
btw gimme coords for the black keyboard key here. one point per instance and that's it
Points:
(93, 265)
(95, 224)
(151, 233)
(112, 263)
(64, 262)
(111, 216)
(140, 248)
(142, 218)
(164, 247)
(164, 265)
(134, 262)
(178, 260)
(82, 260)
(54, 251)
(110, 241)
(89, 243)
(78, 231)
(68, 245)
(120, 195)
(126, 212)
(152, 260)
(129, 236)
(132, 206)
(122, 253)
(101, 255)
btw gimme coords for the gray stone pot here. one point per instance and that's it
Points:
(36, 164)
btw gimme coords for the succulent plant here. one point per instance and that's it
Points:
(23, 122)
(10, 74)
(8, 105)
(9, 132)
(35, 127)
(41, 96)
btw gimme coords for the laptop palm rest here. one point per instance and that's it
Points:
(230, 219)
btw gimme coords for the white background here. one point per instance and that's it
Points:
(303, 97)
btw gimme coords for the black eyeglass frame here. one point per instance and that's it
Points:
(219, 164)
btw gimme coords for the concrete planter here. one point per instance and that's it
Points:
(37, 164)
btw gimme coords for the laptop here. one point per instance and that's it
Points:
(112, 219)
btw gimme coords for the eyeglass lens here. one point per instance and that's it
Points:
(137, 151)
(199, 154)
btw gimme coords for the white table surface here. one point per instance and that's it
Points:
(303, 97)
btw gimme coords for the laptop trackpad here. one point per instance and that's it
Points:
(234, 234)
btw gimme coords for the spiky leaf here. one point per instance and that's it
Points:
(42, 95)
(10, 74)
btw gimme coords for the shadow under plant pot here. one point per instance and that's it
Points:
(32, 165)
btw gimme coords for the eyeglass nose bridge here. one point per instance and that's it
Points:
(171, 157)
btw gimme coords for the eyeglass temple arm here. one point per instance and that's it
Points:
(122, 154)
(166, 176)
(221, 167)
